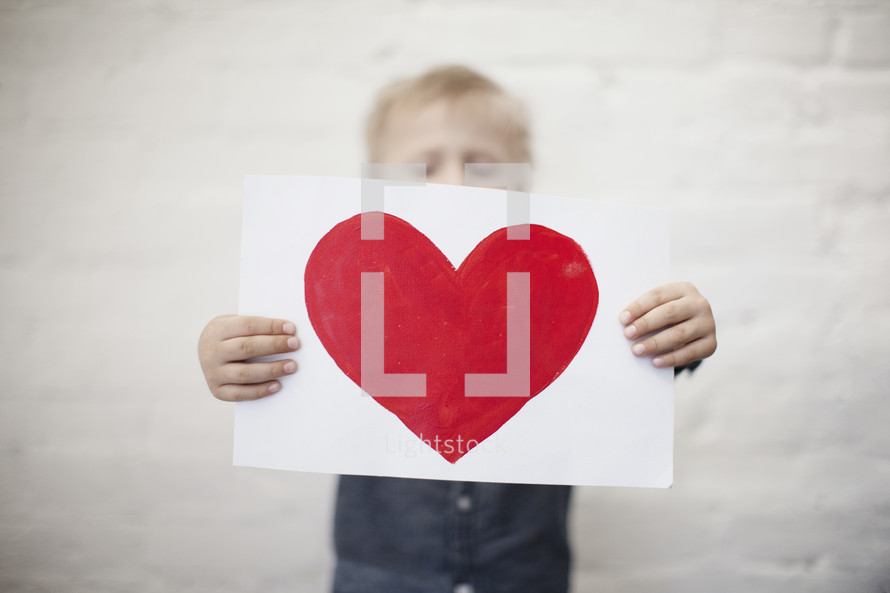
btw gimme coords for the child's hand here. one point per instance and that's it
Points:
(230, 340)
(683, 322)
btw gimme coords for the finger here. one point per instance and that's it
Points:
(214, 331)
(233, 327)
(670, 313)
(696, 350)
(670, 338)
(651, 299)
(246, 373)
(246, 347)
(240, 393)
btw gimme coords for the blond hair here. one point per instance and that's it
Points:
(463, 89)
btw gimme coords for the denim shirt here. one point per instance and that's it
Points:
(400, 535)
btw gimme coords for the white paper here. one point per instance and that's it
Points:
(606, 420)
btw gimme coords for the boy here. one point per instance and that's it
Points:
(398, 535)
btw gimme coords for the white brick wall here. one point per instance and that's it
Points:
(125, 130)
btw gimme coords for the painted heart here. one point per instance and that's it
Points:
(445, 323)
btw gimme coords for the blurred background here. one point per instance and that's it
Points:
(126, 128)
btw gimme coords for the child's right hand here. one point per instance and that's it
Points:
(229, 341)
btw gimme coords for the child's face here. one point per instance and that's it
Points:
(444, 139)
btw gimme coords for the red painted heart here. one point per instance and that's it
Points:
(445, 323)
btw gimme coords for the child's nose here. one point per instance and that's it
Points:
(451, 173)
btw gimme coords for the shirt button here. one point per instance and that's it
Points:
(464, 503)
(463, 588)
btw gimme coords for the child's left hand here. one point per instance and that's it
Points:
(683, 322)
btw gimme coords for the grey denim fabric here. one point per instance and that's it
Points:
(399, 535)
